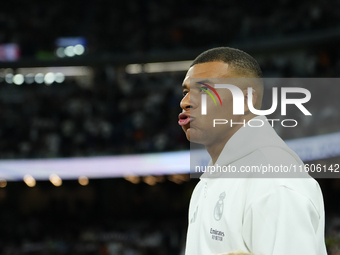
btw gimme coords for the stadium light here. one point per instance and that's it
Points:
(70, 46)
(9, 78)
(3, 183)
(79, 49)
(133, 179)
(60, 52)
(18, 79)
(178, 178)
(71, 71)
(174, 66)
(29, 78)
(150, 180)
(55, 180)
(59, 77)
(29, 180)
(49, 78)
(83, 180)
(39, 78)
(69, 51)
(40, 75)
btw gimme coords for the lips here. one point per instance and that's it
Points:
(184, 119)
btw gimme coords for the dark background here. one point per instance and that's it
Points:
(113, 112)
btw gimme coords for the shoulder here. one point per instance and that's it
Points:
(289, 191)
(271, 155)
(281, 185)
(279, 155)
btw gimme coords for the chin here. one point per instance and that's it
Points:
(194, 137)
(187, 132)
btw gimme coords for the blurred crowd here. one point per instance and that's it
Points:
(109, 236)
(333, 234)
(138, 113)
(99, 237)
(106, 217)
(150, 26)
(94, 220)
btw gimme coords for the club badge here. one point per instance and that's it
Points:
(218, 211)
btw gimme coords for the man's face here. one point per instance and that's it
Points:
(199, 128)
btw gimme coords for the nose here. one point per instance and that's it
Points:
(185, 103)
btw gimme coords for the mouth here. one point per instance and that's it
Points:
(184, 119)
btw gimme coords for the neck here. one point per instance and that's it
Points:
(215, 148)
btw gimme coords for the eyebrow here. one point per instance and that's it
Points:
(184, 86)
(204, 81)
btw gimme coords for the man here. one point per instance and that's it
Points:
(268, 216)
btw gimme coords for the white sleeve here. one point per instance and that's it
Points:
(283, 222)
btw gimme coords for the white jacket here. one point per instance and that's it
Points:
(265, 216)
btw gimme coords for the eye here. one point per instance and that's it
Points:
(185, 93)
(203, 89)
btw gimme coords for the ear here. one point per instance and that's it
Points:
(254, 99)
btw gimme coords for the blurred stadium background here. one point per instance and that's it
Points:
(92, 160)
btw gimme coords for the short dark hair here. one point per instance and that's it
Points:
(241, 61)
